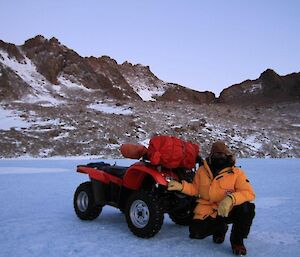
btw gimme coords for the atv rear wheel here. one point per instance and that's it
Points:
(144, 215)
(84, 202)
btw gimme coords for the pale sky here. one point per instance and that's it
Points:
(204, 45)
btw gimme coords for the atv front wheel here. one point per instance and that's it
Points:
(84, 202)
(144, 215)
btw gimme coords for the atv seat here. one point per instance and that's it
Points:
(114, 170)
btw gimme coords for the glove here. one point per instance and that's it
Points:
(175, 186)
(225, 206)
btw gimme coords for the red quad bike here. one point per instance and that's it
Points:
(139, 191)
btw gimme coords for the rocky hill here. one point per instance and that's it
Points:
(55, 102)
(53, 67)
(268, 88)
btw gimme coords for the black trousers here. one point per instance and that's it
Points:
(240, 216)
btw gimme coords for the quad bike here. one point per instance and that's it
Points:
(139, 191)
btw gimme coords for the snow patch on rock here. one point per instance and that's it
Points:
(144, 88)
(295, 125)
(9, 119)
(65, 82)
(28, 72)
(253, 89)
(106, 108)
(147, 94)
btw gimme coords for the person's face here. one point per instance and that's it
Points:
(219, 160)
(219, 155)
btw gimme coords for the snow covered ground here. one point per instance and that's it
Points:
(10, 119)
(102, 107)
(37, 217)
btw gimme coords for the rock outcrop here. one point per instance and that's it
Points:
(183, 94)
(53, 62)
(269, 87)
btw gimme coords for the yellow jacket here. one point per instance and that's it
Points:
(211, 191)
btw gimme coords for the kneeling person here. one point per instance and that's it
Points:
(224, 197)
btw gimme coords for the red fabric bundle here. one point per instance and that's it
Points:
(172, 152)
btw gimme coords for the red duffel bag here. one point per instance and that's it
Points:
(172, 152)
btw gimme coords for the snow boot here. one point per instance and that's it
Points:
(200, 229)
(219, 236)
(237, 245)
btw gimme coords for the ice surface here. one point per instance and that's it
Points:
(37, 216)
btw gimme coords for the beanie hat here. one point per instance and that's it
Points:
(219, 147)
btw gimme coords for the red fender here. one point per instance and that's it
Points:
(136, 174)
(100, 175)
